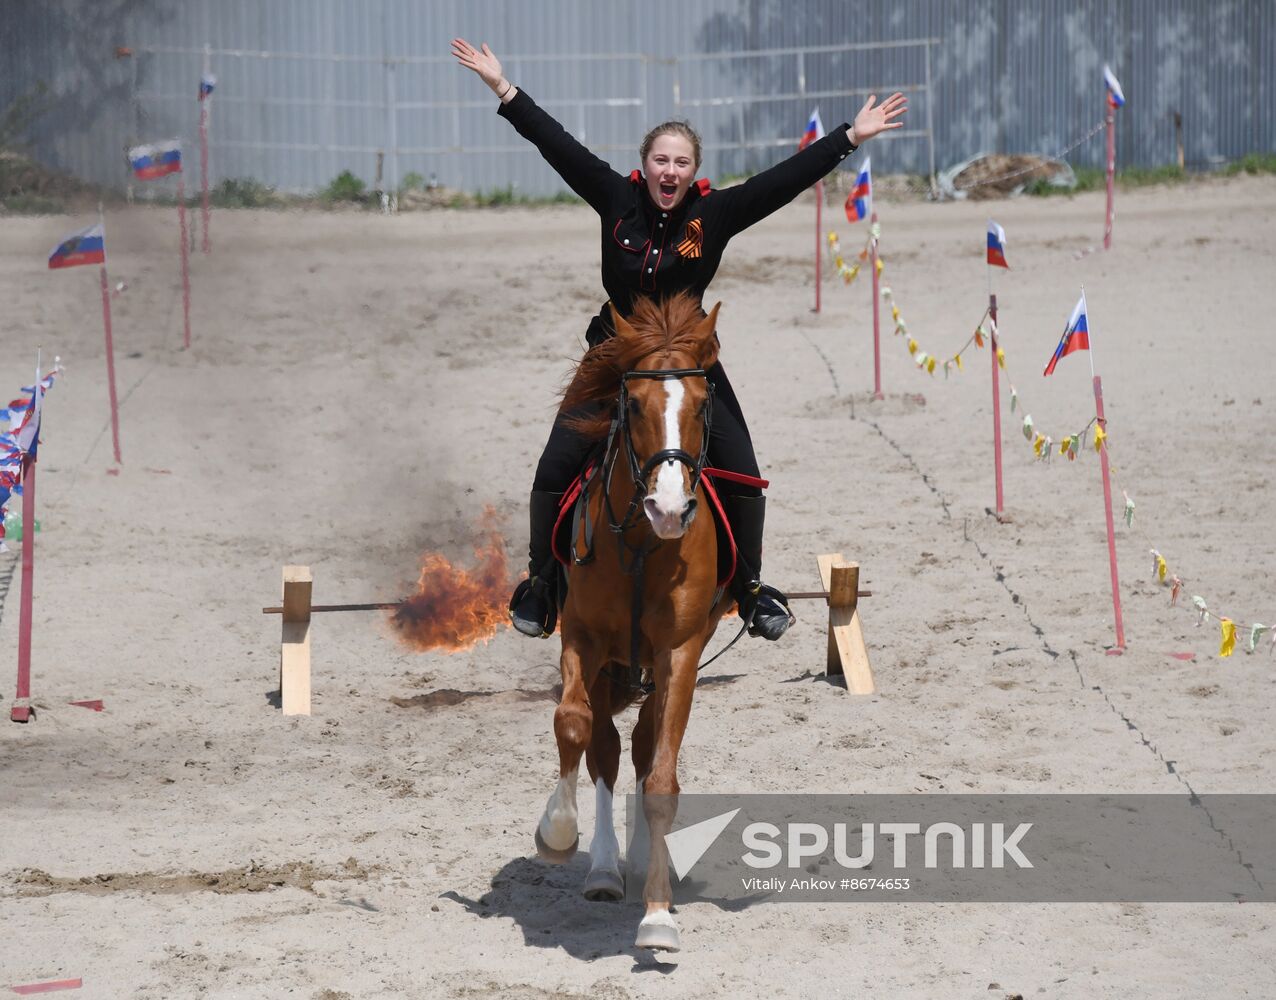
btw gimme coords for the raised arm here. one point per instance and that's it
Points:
(776, 186)
(589, 176)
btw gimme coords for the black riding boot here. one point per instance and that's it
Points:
(765, 608)
(534, 606)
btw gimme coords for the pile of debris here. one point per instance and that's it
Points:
(999, 175)
(28, 187)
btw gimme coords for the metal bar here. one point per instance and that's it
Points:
(304, 102)
(714, 102)
(406, 60)
(392, 605)
(930, 125)
(811, 49)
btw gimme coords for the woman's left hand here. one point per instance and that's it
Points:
(874, 119)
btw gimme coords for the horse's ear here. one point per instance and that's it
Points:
(618, 322)
(706, 334)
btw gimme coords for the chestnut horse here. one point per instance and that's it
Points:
(652, 558)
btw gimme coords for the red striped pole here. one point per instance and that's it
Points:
(819, 249)
(877, 319)
(21, 710)
(996, 401)
(1111, 170)
(110, 364)
(203, 169)
(1107, 505)
(186, 278)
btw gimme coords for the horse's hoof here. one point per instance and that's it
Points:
(550, 854)
(604, 885)
(658, 932)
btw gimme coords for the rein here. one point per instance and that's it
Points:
(639, 472)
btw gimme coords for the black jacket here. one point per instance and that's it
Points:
(646, 251)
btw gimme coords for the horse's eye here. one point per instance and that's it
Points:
(633, 407)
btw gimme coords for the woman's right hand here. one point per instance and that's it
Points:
(484, 63)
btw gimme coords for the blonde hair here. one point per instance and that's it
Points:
(681, 129)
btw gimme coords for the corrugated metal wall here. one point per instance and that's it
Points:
(1008, 76)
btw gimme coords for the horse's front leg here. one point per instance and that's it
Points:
(604, 881)
(675, 673)
(557, 833)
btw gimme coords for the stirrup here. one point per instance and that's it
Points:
(533, 610)
(767, 611)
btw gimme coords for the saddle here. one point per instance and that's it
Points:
(570, 517)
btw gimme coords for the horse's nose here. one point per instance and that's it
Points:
(689, 514)
(668, 523)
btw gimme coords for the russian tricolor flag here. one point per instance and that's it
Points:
(814, 130)
(156, 160)
(1115, 97)
(997, 245)
(206, 84)
(1076, 336)
(859, 203)
(88, 246)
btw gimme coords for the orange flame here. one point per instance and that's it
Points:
(454, 608)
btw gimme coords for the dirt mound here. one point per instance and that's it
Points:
(28, 186)
(997, 175)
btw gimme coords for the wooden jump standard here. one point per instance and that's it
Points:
(847, 655)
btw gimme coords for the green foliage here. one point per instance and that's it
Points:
(1252, 163)
(412, 182)
(243, 192)
(496, 197)
(504, 196)
(1170, 173)
(1088, 179)
(344, 187)
(32, 204)
(21, 112)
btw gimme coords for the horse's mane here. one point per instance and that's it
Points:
(655, 327)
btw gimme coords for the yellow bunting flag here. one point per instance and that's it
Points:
(879, 265)
(957, 361)
(912, 346)
(930, 365)
(1001, 359)
(894, 312)
(1038, 443)
(1100, 435)
(1227, 641)
(1065, 445)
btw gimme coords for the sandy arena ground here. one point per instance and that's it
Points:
(361, 386)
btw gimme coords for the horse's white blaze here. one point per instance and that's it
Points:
(670, 499)
(604, 851)
(558, 824)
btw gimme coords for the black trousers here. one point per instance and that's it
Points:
(730, 446)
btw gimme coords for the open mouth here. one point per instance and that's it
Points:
(668, 190)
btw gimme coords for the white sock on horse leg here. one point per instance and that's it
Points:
(558, 825)
(604, 850)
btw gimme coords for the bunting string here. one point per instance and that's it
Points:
(1251, 635)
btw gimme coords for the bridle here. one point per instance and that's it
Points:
(640, 472)
(620, 436)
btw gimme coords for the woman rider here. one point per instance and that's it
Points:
(663, 234)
